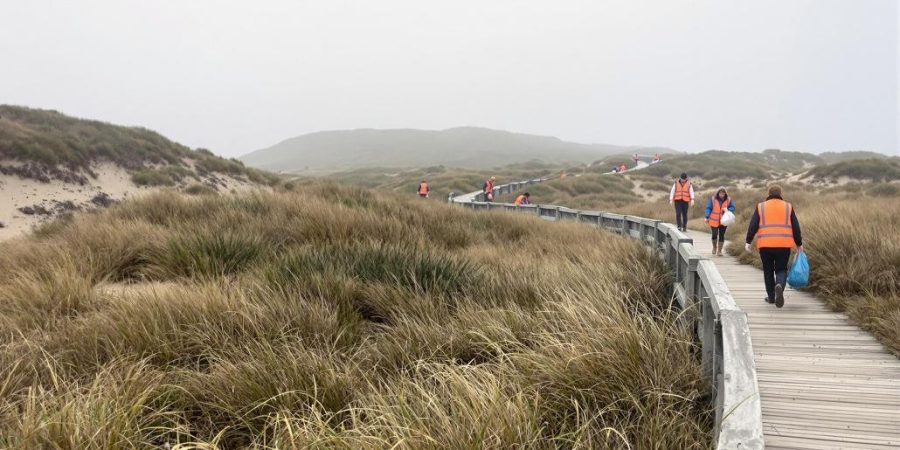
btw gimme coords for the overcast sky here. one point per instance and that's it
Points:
(235, 76)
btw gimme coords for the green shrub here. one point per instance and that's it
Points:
(405, 266)
(206, 255)
(152, 177)
(200, 189)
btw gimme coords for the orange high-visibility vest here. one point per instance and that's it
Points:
(775, 227)
(488, 186)
(622, 168)
(682, 191)
(423, 188)
(520, 200)
(718, 208)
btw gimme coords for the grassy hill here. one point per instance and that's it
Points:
(868, 169)
(406, 148)
(44, 145)
(339, 317)
(727, 166)
(833, 157)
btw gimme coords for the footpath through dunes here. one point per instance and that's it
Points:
(821, 381)
(824, 382)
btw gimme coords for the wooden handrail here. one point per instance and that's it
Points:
(722, 328)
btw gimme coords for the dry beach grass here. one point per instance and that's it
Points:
(335, 317)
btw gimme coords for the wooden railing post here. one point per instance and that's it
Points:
(707, 339)
(691, 282)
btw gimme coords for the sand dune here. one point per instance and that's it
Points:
(47, 200)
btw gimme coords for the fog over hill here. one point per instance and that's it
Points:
(454, 147)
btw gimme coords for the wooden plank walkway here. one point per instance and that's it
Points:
(824, 383)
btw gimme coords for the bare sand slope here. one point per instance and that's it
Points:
(25, 203)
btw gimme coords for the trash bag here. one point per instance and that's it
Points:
(798, 277)
(727, 218)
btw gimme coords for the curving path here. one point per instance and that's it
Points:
(824, 383)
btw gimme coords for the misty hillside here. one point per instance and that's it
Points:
(454, 147)
(47, 145)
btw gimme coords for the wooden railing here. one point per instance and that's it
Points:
(700, 291)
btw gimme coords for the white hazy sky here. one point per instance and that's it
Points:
(235, 76)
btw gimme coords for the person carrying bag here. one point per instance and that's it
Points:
(719, 214)
(775, 226)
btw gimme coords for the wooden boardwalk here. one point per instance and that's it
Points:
(824, 382)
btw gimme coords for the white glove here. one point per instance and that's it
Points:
(670, 201)
(747, 247)
(692, 203)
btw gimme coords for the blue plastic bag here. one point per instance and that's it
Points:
(798, 277)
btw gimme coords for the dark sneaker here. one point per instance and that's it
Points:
(779, 295)
(769, 301)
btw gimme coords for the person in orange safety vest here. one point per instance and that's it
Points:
(423, 189)
(776, 229)
(682, 196)
(523, 199)
(488, 189)
(716, 206)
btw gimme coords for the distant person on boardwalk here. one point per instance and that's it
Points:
(523, 199)
(682, 196)
(777, 231)
(423, 189)
(622, 168)
(656, 158)
(488, 189)
(716, 206)
(635, 158)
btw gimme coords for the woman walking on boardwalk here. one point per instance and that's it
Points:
(716, 207)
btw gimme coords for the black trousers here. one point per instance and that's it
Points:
(681, 209)
(774, 262)
(718, 234)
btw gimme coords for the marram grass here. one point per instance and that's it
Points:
(333, 317)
